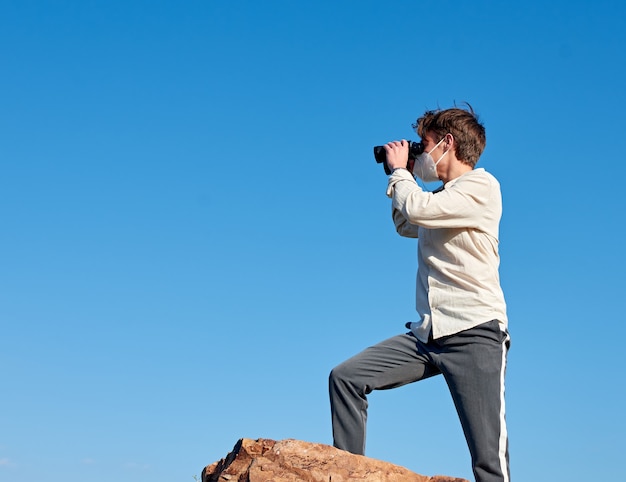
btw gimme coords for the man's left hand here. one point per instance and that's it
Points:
(397, 154)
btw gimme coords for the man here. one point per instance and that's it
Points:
(462, 328)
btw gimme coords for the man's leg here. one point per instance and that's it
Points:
(389, 364)
(473, 363)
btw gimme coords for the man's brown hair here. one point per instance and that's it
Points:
(463, 124)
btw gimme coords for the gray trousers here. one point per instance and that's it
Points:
(473, 364)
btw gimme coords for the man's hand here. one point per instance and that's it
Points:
(397, 154)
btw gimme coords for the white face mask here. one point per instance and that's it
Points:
(425, 167)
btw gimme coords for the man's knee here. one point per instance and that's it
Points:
(335, 375)
(341, 374)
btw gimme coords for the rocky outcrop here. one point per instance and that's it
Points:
(266, 460)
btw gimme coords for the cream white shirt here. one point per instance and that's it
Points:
(458, 283)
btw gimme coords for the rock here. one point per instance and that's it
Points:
(289, 460)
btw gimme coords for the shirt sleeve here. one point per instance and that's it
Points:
(403, 227)
(470, 201)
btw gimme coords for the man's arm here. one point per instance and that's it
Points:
(467, 203)
(403, 227)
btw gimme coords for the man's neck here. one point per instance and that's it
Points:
(456, 168)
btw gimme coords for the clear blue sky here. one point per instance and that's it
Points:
(194, 231)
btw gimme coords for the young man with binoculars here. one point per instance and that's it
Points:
(461, 331)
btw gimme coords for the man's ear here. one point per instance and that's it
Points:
(449, 140)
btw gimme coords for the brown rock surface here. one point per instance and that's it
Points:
(266, 460)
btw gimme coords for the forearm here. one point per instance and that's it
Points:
(403, 226)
